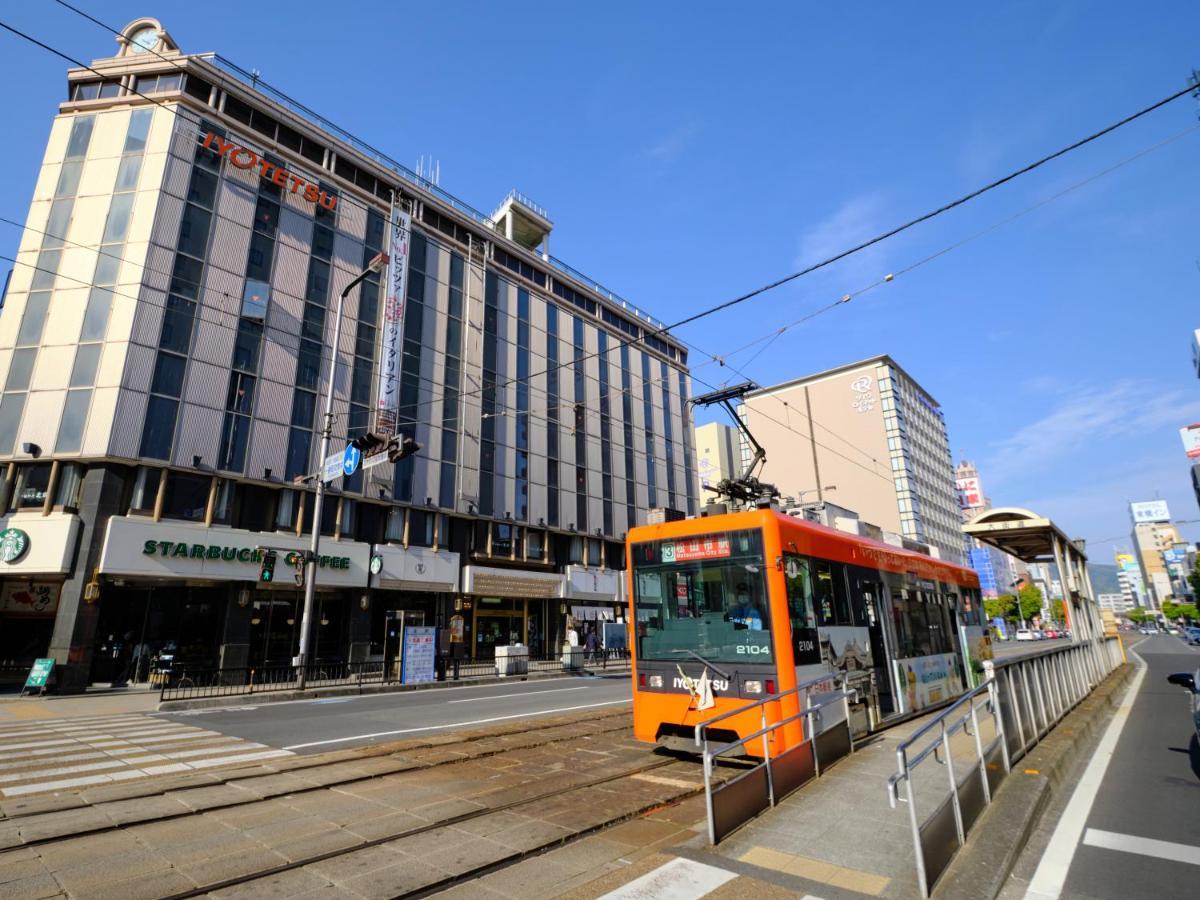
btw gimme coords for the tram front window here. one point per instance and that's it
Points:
(703, 595)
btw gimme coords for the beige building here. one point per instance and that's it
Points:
(718, 456)
(1152, 538)
(867, 437)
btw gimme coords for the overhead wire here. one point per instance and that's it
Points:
(944, 208)
(765, 288)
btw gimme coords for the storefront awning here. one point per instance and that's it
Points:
(489, 581)
(416, 569)
(592, 583)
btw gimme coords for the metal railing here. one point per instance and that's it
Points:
(192, 684)
(1022, 698)
(736, 801)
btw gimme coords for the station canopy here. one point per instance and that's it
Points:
(1023, 534)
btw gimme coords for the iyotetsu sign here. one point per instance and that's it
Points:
(245, 158)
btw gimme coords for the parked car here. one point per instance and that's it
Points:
(1171, 629)
(1183, 679)
(1024, 634)
(1191, 634)
(1050, 633)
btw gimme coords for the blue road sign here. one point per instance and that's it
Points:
(350, 459)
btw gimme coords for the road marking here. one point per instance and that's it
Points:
(1129, 843)
(519, 694)
(1052, 870)
(679, 879)
(64, 770)
(364, 737)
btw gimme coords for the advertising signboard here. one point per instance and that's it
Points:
(1190, 435)
(1150, 511)
(25, 598)
(39, 674)
(416, 665)
(387, 403)
(970, 494)
(928, 680)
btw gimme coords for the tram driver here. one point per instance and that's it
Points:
(745, 614)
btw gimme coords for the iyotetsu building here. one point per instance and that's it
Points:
(165, 347)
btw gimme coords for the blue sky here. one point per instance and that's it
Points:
(687, 153)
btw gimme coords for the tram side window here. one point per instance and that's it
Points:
(806, 646)
(832, 601)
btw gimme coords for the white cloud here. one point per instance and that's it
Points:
(1087, 417)
(671, 146)
(855, 221)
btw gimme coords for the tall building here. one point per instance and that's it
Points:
(1153, 534)
(165, 348)
(1129, 577)
(871, 432)
(996, 569)
(718, 456)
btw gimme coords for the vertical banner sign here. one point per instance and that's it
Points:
(392, 329)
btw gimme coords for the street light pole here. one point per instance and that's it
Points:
(310, 567)
(1016, 586)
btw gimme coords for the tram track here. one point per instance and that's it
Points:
(413, 832)
(507, 741)
(477, 871)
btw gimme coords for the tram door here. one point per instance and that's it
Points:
(873, 604)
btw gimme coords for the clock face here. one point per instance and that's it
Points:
(144, 39)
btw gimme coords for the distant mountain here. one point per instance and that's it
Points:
(1104, 578)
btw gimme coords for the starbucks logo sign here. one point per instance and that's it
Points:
(13, 544)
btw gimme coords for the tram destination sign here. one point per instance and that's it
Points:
(715, 546)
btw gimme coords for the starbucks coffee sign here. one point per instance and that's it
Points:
(136, 546)
(13, 544)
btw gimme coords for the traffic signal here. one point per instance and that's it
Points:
(266, 572)
(369, 443)
(401, 448)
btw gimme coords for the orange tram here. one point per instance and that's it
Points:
(729, 609)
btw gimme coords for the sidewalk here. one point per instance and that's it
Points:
(15, 709)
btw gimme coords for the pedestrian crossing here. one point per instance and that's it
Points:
(64, 754)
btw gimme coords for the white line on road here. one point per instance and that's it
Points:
(1051, 874)
(1128, 843)
(364, 737)
(519, 694)
(679, 879)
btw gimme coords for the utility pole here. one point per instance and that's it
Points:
(310, 579)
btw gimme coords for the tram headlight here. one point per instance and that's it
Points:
(656, 681)
(752, 687)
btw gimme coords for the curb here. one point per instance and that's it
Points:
(982, 867)
(354, 690)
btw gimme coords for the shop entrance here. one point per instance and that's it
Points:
(26, 623)
(275, 622)
(141, 628)
(498, 622)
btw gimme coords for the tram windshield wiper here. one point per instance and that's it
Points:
(707, 662)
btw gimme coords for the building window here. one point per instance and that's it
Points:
(29, 492)
(186, 496)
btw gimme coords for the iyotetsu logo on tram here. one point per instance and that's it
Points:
(245, 158)
(687, 684)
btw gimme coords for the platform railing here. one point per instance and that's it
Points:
(732, 803)
(1023, 697)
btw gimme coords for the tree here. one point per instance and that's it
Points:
(1137, 616)
(998, 607)
(1031, 601)
(1057, 611)
(1170, 609)
(1189, 611)
(1194, 578)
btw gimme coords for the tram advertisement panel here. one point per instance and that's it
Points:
(928, 680)
(977, 645)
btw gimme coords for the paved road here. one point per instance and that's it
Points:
(335, 723)
(1139, 836)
